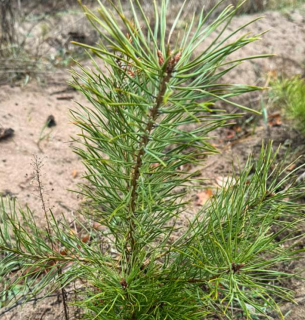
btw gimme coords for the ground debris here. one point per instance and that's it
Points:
(51, 121)
(6, 133)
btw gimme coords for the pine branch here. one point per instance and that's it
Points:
(165, 78)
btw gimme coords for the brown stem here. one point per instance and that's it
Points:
(144, 142)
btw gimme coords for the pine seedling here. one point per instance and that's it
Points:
(152, 106)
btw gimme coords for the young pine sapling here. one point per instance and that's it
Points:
(152, 104)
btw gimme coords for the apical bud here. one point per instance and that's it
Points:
(160, 56)
(177, 57)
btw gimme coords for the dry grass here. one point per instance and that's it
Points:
(18, 63)
(250, 6)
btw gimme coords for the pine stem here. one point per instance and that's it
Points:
(144, 142)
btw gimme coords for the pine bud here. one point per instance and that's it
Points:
(160, 56)
(236, 267)
(177, 58)
(123, 283)
(85, 238)
(98, 226)
(63, 252)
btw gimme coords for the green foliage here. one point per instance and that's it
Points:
(284, 4)
(289, 95)
(152, 107)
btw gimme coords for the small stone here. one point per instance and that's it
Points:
(6, 133)
(51, 121)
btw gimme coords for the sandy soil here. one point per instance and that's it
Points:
(26, 109)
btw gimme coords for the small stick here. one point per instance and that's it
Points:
(64, 300)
